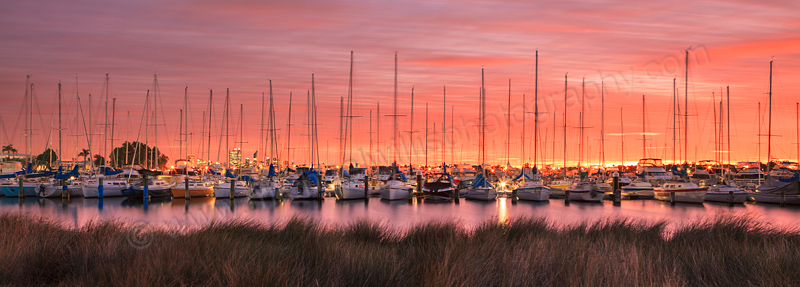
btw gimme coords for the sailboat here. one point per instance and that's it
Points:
(481, 189)
(348, 187)
(681, 190)
(395, 187)
(532, 189)
(112, 186)
(241, 187)
(271, 187)
(724, 191)
(775, 190)
(587, 188)
(558, 186)
(307, 184)
(55, 187)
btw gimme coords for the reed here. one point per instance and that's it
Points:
(731, 251)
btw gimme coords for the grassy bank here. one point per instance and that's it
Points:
(725, 252)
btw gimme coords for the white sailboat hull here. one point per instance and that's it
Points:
(265, 192)
(50, 191)
(697, 195)
(482, 193)
(395, 192)
(535, 193)
(349, 192)
(307, 193)
(225, 192)
(92, 191)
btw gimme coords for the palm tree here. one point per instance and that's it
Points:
(84, 153)
(9, 149)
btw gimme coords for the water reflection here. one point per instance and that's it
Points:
(200, 211)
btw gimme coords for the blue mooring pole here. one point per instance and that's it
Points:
(100, 188)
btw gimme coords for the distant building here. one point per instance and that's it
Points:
(235, 157)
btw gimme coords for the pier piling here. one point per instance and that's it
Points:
(100, 187)
(366, 187)
(186, 188)
(616, 189)
(233, 189)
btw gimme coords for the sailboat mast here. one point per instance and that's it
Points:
(580, 120)
(508, 127)
(227, 128)
(241, 134)
(350, 110)
(426, 134)
(565, 125)
(273, 146)
(155, 120)
(394, 115)
(444, 119)
(535, 129)
(411, 132)
(180, 131)
(113, 125)
(535, 115)
(378, 133)
(483, 121)
(686, 109)
(622, 136)
(342, 154)
(105, 125)
(89, 136)
(261, 132)
(210, 98)
(769, 126)
(370, 138)
(59, 124)
(728, 116)
(77, 112)
(644, 138)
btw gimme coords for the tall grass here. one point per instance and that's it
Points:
(301, 252)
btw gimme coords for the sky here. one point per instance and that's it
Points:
(630, 48)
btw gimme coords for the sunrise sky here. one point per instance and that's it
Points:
(636, 47)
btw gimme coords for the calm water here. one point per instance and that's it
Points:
(398, 214)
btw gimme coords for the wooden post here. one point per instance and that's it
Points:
(186, 193)
(616, 193)
(730, 196)
(419, 183)
(320, 189)
(21, 194)
(566, 196)
(233, 189)
(100, 187)
(672, 197)
(366, 187)
(514, 195)
(783, 197)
